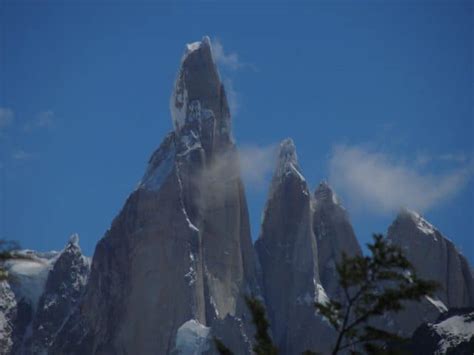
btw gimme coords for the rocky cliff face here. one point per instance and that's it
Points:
(62, 292)
(434, 257)
(452, 334)
(7, 316)
(172, 271)
(180, 249)
(288, 255)
(41, 291)
(334, 235)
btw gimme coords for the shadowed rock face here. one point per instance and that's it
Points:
(288, 255)
(180, 249)
(334, 235)
(434, 257)
(8, 313)
(63, 289)
(41, 291)
(452, 334)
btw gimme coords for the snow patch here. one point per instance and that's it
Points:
(294, 169)
(191, 47)
(422, 225)
(194, 46)
(439, 305)
(192, 338)
(322, 297)
(453, 331)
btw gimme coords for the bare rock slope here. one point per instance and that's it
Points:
(288, 255)
(434, 257)
(180, 249)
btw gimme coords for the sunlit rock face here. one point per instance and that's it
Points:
(180, 249)
(288, 256)
(334, 235)
(434, 257)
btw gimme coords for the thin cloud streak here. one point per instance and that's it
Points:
(22, 155)
(44, 120)
(379, 183)
(6, 117)
(257, 164)
(228, 62)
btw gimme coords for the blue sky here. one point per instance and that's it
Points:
(377, 95)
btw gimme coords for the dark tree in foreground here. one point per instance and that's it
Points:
(263, 342)
(372, 286)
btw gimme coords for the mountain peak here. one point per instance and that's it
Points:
(198, 92)
(287, 162)
(324, 192)
(191, 47)
(74, 239)
(422, 224)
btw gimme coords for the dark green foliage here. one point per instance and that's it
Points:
(221, 348)
(263, 342)
(372, 286)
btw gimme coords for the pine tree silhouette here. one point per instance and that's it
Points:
(372, 286)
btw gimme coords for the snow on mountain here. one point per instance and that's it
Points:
(173, 270)
(434, 257)
(180, 248)
(451, 334)
(28, 297)
(288, 255)
(454, 331)
(334, 235)
(192, 338)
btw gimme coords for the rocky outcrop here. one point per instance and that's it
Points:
(180, 249)
(288, 256)
(434, 257)
(334, 235)
(451, 334)
(8, 309)
(41, 291)
(62, 292)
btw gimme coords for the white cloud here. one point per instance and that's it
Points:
(257, 163)
(232, 95)
(227, 60)
(380, 183)
(6, 117)
(44, 119)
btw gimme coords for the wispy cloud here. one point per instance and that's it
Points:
(254, 165)
(44, 119)
(22, 155)
(380, 183)
(6, 117)
(455, 158)
(257, 163)
(228, 60)
(229, 63)
(232, 95)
